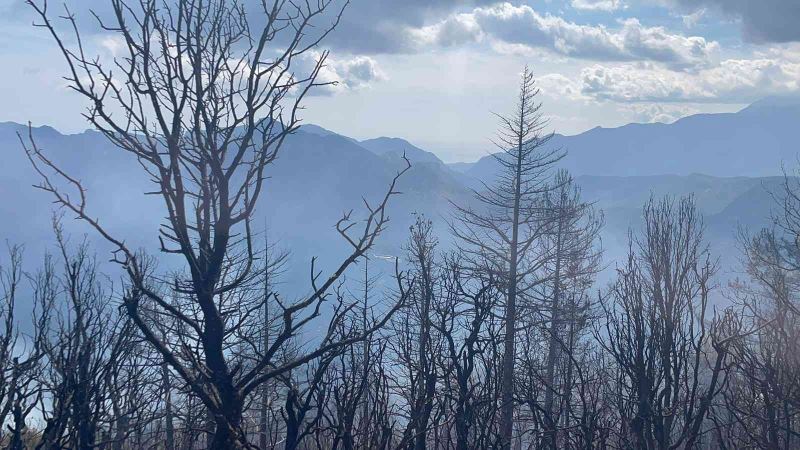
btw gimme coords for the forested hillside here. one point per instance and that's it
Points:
(204, 270)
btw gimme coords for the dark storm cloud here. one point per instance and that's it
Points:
(367, 26)
(762, 20)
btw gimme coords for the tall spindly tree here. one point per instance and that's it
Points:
(501, 234)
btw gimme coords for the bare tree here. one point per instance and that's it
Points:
(21, 354)
(207, 93)
(359, 414)
(497, 343)
(414, 343)
(305, 399)
(761, 399)
(461, 317)
(86, 343)
(502, 234)
(274, 265)
(561, 309)
(657, 332)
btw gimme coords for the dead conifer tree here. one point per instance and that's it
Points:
(500, 235)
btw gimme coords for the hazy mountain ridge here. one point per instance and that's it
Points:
(397, 147)
(320, 174)
(316, 178)
(755, 142)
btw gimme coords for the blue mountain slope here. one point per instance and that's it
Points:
(753, 142)
(320, 174)
(386, 146)
(316, 178)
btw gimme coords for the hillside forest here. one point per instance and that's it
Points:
(488, 312)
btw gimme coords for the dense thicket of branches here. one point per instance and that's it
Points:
(495, 335)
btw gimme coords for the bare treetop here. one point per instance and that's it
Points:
(203, 95)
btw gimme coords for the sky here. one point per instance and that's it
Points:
(435, 71)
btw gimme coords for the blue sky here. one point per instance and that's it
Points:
(433, 71)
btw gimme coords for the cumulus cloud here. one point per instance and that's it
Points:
(344, 73)
(358, 72)
(522, 25)
(556, 85)
(731, 81)
(457, 29)
(597, 5)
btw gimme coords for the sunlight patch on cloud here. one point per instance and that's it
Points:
(522, 25)
(732, 81)
(457, 29)
(597, 5)
(558, 86)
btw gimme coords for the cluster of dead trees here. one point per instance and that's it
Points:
(501, 339)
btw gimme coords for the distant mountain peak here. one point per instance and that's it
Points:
(392, 146)
(316, 130)
(773, 103)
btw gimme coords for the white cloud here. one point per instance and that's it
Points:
(731, 81)
(691, 20)
(457, 29)
(344, 74)
(558, 86)
(522, 25)
(597, 5)
(657, 113)
(113, 44)
(358, 72)
(648, 91)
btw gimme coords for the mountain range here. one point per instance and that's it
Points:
(752, 142)
(731, 163)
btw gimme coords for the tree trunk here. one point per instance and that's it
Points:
(169, 442)
(428, 378)
(552, 353)
(509, 347)
(228, 434)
